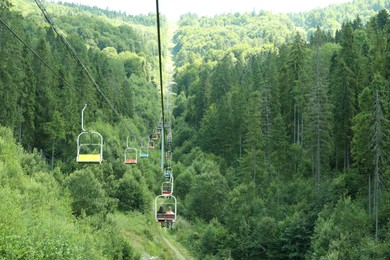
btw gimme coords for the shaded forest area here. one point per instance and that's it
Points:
(280, 132)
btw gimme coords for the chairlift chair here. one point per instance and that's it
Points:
(167, 187)
(89, 145)
(144, 152)
(168, 155)
(161, 204)
(159, 125)
(89, 151)
(155, 137)
(131, 155)
(151, 144)
(168, 172)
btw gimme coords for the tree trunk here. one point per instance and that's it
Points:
(254, 163)
(52, 155)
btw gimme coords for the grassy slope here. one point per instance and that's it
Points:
(147, 237)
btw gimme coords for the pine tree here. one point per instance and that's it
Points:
(11, 73)
(253, 159)
(296, 67)
(379, 156)
(344, 88)
(263, 78)
(224, 77)
(370, 142)
(127, 103)
(44, 96)
(27, 101)
(361, 142)
(318, 116)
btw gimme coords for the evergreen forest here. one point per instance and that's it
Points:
(277, 125)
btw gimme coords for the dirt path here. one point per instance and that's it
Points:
(177, 253)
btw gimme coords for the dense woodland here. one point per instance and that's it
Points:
(280, 132)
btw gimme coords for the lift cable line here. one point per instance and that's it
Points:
(161, 83)
(39, 57)
(55, 28)
(160, 60)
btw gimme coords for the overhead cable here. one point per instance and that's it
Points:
(63, 39)
(36, 54)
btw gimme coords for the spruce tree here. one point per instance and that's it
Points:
(345, 73)
(318, 115)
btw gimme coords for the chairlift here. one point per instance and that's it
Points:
(89, 144)
(167, 187)
(168, 155)
(131, 154)
(159, 125)
(144, 152)
(161, 205)
(151, 144)
(168, 172)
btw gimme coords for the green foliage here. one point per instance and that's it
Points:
(184, 182)
(206, 198)
(246, 218)
(288, 131)
(131, 194)
(273, 135)
(36, 220)
(340, 231)
(318, 114)
(43, 109)
(362, 140)
(89, 198)
(225, 31)
(294, 236)
(332, 17)
(214, 240)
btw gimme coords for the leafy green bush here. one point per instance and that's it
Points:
(340, 231)
(87, 193)
(214, 241)
(130, 194)
(206, 197)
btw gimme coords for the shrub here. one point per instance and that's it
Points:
(130, 194)
(87, 193)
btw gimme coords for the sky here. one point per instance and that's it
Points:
(174, 8)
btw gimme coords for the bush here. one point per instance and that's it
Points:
(214, 241)
(87, 193)
(339, 231)
(130, 194)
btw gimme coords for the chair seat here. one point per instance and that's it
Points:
(91, 158)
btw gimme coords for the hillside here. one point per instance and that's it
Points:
(283, 139)
(37, 220)
(276, 134)
(52, 206)
(331, 18)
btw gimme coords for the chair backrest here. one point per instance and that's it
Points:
(93, 142)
